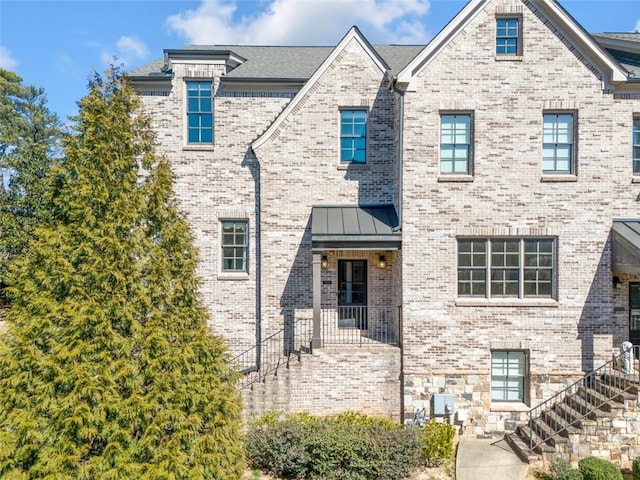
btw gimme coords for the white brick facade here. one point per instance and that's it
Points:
(274, 179)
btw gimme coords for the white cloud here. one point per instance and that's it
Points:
(308, 22)
(127, 50)
(6, 60)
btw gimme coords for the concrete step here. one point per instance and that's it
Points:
(520, 448)
(547, 433)
(559, 423)
(573, 416)
(530, 437)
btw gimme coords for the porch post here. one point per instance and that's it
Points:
(317, 290)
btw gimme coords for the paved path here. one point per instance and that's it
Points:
(488, 460)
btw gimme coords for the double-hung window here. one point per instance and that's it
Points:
(508, 36)
(506, 267)
(235, 242)
(636, 145)
(455, 143)
(558, 145)
(508, 376)
(353, 136)
(199, 112)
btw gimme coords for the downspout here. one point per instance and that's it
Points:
(258, 214)
(400, 200)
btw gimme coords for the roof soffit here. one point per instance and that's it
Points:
(352, 34)
(556, 15)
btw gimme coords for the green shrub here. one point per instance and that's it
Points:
(562, 470)
(593, 468)
(635, 469)
(350, 446)
(437, 442)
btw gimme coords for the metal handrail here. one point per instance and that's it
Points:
(595, 395)
(275, 351)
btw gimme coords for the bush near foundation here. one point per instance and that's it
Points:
(562, 470)
(350, 446)
(437, 442)
(635, 469)
(593, 468)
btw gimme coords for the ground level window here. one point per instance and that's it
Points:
(508, 376)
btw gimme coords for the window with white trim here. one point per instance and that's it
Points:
(509, 376)
(455, 143)
(558, 143)
(235, 245)
(506, 267)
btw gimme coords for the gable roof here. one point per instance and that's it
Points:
(550, 8)
(352, 34)
(269, 63)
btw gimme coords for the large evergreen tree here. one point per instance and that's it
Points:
(29, 133)
(108, 370)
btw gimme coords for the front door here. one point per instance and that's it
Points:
(352, 294)
(634, 313)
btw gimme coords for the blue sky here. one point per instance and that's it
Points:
(56, 44)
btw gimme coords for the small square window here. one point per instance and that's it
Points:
(353, 136)
(235, 241)
(508, 36)
(455, 143)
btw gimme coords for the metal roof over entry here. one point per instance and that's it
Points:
(355, 227)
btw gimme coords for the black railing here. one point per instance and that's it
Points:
(274, 352)
(568, 408)
(360, 325)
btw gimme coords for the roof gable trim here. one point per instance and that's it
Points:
(353, 34)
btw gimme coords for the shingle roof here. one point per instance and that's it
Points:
(270, 62)
(624, 47)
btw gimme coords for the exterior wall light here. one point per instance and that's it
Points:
(324, 263)
(382, 262)
(617, 283)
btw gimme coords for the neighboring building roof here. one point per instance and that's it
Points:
(355, 226)
(624, 47)
(284, 62)
(625, 246)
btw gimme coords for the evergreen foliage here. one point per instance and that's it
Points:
(29, 134)
(350, 446)
(108, 370)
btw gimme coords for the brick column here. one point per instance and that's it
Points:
(317, 292)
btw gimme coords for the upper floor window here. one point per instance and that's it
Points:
(508, 39)
(353, 136)
(235, 245)
(199, 112)
(558, 144)
(636, 145)
(506, 267)
(455, 143)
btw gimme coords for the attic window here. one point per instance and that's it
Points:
(508, 36)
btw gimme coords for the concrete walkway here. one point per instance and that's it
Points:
(489, 459)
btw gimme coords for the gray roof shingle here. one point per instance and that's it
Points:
(296, 63)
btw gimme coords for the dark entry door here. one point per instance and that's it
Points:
(352, 294)
(634, 313)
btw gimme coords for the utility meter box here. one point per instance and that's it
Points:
(442, 404)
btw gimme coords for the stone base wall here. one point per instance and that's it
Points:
(475, 413)
(614, 437)
(333, 380)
